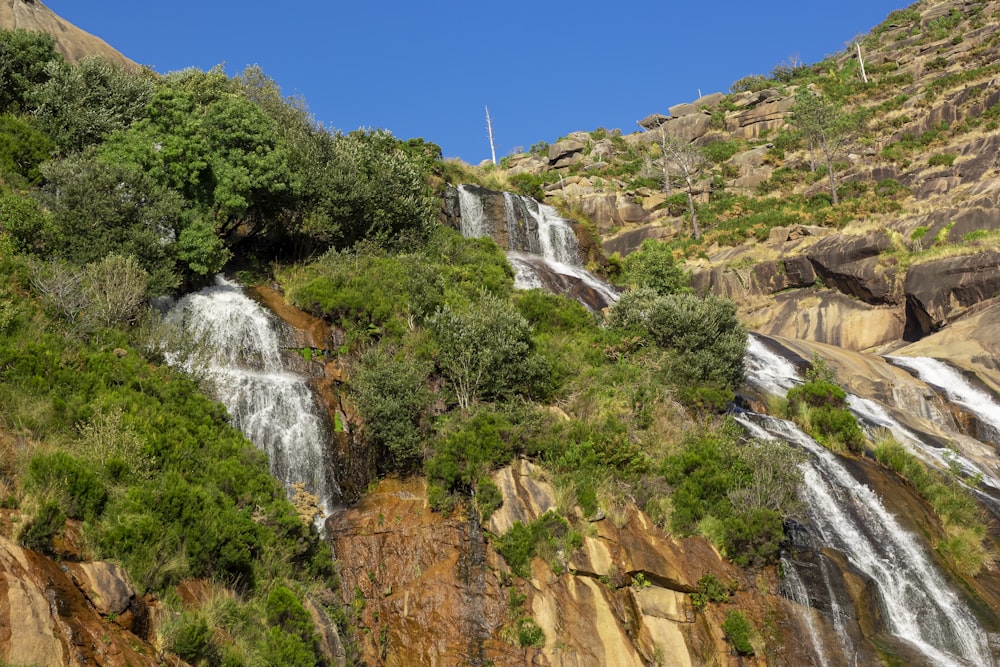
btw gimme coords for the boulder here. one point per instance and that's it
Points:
(630, 240)
(939, 291)
(653, 121)
(770, 115)
(564, 149)
(104, 584)
(829, 317)
(852, 265)
(690, 127)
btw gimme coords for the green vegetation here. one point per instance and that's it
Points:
(739, 630)
(819, 406)
(952, 501)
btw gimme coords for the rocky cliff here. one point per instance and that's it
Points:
(71, 41)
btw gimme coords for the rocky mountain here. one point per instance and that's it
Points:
(71, 41)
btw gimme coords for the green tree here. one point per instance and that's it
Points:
(23, 147)
(827, 126)
(485, 351)
(82, 104)
(26, 59)
(99, 207)
(653, 266)
(392, 396)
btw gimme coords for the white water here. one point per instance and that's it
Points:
(769, 372)
(918, 606)
(958, 390)
(237, 350)
(795, 590)
(539, 240)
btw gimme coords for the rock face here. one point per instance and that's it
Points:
(73, 43)
(409, 572)
(941, 290)
(61, 614)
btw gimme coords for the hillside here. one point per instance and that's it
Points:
(73, 43)
(271, 394)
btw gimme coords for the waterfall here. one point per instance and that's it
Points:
(958, 390)
(540, 245)
(235, 345)
(917, 604)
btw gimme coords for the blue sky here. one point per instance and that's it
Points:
(427, 69)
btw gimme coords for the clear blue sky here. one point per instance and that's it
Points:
(427, 69)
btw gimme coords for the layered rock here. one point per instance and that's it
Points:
(69, 614)
(409, 572)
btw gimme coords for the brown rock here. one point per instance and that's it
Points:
(74, 43)
(104, 584)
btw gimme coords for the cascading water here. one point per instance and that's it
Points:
(540, 245)
(918, 607)
(958, 390)
(235, 345)
(917, 604)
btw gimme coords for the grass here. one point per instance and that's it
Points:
(952, 502)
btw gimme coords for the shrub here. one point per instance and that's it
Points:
(653, 266)
(486, 351)
(521, 543)
(710, 589)
(81, 493)
(37, 534)
(391, 392)
(739, 630)
(942, 160)
(751, 83)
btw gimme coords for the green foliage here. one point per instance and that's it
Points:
(707, 340)
(941, 160)
(29, 228)
(368, 287)
(200, 251)
(390, 389)
(739, 631)
(81, 493)
(820, 407)
(82, 104)
(710, 589)
(738, 493)
(25, 61)
(192, 639)
(48, 522)
(486, 351)
(469, 449)
(23, 148)
(530, 635)
(751, 83)
(522, 542)
(653, 266)
(488, 498)
(549, 313)
(720, 151)
(99, 207)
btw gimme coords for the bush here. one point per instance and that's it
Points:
(81, 492)
(37, 534)
(521, 543)
(653, 266)
(942, 160)
(391, 392)
(739, 630)
(486, 351)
